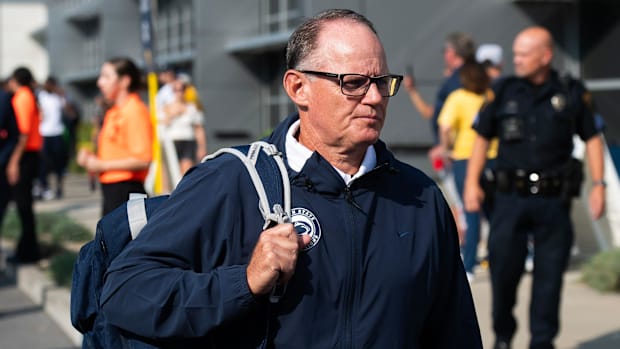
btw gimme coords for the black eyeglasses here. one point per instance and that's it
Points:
(358, 84)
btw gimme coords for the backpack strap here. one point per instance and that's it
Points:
(136, 213)
(266, 168)
(265, 164)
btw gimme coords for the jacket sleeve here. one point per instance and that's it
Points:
(9, 133)
(452, 321)
(186, 272)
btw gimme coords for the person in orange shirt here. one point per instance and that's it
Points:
(23, 166)
(124, 146)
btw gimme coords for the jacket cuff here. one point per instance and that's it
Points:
(236, 293)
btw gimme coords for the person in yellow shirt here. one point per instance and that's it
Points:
(457, 139)
(124, 146)
(191, 93)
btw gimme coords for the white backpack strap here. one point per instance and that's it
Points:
(276, 214)
(272, 215)
(258, 184)
(136, 213)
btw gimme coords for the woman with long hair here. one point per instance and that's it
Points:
(124, 145)
(183, 123)
(457, 137)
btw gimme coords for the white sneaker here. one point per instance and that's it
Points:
(48, 195)
(529, 264)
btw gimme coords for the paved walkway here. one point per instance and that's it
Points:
(589, 320)
(25, 324)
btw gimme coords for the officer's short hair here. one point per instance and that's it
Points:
(463, 44)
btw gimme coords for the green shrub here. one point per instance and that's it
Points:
(54, 230)
(66, 229)
(61, 268)
(602, 272)
(11, 226)
(47, 220)
(55, 226)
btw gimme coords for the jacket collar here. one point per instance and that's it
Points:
(318, 174)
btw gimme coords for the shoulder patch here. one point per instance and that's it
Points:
(587, 99)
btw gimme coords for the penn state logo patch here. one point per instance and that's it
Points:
(305, 222)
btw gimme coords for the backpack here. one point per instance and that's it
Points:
(118, 228)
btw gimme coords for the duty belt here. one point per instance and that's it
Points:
(529, 183)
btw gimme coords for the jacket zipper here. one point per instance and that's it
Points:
(350, 291)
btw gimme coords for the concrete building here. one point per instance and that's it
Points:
(234, 52)
(22, 37)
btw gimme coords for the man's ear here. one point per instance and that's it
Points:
(547, 57)
(296, 86)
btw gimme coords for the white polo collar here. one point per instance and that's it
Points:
(297, 155)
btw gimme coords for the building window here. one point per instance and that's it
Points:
(277, 16)
(281, 15)
(90, 45)
(277, 105)
(92, 56)
(173, 27)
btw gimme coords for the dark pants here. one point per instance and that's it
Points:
(27, 247)
(54, 159)
(5, 193)
(548, 221)
(116, 194)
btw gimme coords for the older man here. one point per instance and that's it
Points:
(379, 266)
(535, 115)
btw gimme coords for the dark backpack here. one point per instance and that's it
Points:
(119, 227)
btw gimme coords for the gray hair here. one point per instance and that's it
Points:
(303, 40)
(463, 44)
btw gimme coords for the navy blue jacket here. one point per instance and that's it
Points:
(384, 270)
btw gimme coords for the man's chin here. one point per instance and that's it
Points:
(370, 138)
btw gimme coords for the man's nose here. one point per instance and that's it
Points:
(373, 92)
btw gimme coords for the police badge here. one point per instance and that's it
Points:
(558, 102)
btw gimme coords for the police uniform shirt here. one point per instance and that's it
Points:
(535, 124)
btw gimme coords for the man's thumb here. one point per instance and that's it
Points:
(304, 240)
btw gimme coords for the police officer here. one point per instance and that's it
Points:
(534, 114)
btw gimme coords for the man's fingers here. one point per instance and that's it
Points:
(275, 257)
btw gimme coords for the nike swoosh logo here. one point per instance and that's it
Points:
(402, 234)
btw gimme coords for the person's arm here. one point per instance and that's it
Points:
(201, 141)
(473, 195)
(199, 131)
(445, 138)
(23, 109)
(91, 163)
(183, 276)
(448, 123)
(425, 109)
(12, 169)
(594, 150)
(452, 320)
